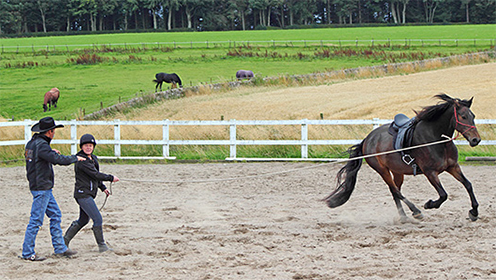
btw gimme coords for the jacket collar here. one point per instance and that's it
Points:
(42, 136)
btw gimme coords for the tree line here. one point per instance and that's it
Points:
(33, 16)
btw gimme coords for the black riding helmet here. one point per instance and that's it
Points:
(87, 138)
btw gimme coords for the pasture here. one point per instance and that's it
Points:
(164, 226)
(353, 99)
(109, 73)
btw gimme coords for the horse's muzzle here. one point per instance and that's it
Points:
(474, 141)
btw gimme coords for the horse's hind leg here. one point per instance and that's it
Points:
(397, 196)
(398, 181)
(456, 171)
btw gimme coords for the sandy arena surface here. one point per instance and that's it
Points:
(270, 224)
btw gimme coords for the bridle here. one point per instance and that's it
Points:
(460, 123)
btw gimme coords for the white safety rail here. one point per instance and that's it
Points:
(232, 142)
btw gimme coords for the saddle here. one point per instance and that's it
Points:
(402, 129)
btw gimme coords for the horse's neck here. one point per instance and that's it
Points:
(434, 130)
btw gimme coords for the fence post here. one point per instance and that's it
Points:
(74, 137)
(27, 130)
(376, 123)
(232, 138)
(304, 139)
(165, 136)
(117, 138)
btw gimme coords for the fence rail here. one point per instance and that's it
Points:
(272, 43)
(232, 142)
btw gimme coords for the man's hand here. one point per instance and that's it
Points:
(81, 158)
(115, 179)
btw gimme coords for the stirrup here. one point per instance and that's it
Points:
(407, 159)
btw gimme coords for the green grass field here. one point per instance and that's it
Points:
(487, 31)
(124, 72)
(127, 63)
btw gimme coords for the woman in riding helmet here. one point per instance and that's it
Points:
(88, 180)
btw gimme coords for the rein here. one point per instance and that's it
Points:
(458, 122)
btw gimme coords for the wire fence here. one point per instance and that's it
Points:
(272, 43)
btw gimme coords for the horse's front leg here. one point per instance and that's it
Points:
(434, 180)
(456, 171)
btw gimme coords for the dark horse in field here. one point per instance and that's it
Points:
(168, 78)
(430, 125)
(51, 98)
(244, 74)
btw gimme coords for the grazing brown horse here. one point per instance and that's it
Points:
(51, 98)
(244, 74)
(430, 125)
(168, 78)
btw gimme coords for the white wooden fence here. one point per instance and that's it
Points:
(232, 142)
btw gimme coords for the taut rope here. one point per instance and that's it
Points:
(448, 139)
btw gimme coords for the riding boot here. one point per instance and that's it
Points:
(71, 232)
(98, 232)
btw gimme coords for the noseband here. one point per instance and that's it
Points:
(460, 123)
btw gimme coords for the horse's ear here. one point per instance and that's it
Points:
(469, 102)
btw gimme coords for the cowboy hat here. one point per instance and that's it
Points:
(45, 124)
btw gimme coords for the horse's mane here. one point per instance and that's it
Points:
(433, 112)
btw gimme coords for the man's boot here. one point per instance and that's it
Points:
(98, 232)
(71, 232)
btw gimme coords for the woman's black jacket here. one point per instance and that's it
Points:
(89, 177)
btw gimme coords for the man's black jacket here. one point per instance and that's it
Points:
(39, 159)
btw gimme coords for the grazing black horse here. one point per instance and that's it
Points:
(168, 78)
(430, 125)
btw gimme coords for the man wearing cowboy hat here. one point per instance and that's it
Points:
(39, 159)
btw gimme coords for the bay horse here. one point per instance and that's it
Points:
(244, 74)
(51, 98)
(168, 78)
(430, 124)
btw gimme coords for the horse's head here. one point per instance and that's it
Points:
(465, 121)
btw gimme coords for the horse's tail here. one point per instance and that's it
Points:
(55, 94)
(343, 192)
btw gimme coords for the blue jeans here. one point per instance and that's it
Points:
(88, 209)
(43, 203)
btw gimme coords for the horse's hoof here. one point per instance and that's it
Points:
(418, 216)
(404, 220)
(472, 217)
(428, 204)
